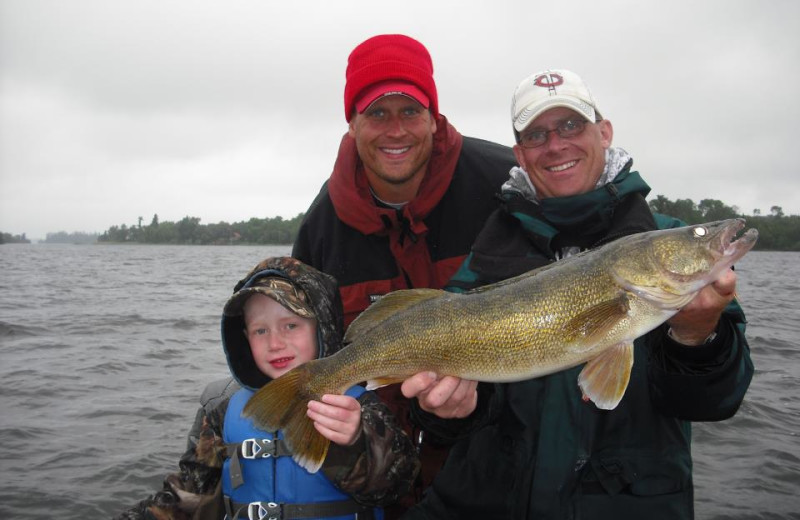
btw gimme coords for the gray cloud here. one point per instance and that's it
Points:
(230, 110)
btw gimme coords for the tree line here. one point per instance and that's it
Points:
(190, 231)
(78, 237)
(776, 231)
(8, 238)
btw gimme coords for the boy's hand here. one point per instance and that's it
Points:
(337, 418)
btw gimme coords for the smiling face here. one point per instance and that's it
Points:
(564, 167)
(394, 137)
(279, 339)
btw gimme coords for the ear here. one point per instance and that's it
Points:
(433, 122)
(606, 132)
(351, 127)
(520, 155)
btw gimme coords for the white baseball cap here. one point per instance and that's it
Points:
(548, 89)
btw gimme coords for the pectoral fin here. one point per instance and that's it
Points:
(605, 378)
(590, 326)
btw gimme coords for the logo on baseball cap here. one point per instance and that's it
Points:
(548, 89)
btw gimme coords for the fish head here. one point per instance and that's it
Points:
(671, 265)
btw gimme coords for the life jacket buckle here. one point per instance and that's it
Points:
(263, 511)
(253, 448)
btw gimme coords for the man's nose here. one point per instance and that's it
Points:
(554, 140)
(395, 126)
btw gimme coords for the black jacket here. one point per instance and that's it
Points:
(545, 453)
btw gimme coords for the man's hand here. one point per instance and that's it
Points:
(449, 397)
(698, 319)
(337, 418)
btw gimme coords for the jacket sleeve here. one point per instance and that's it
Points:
(705, 383)
(382, 465)
(194, 486)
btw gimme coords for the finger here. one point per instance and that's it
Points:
(336, 419)
(341, 401)
(417, 384)
(456, 396)
(462, 401)
(725, 285)
(338, 407)
(441, 392)
(467, 406)
(465, 390)
(338, 437)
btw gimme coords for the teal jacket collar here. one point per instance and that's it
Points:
(586, 214)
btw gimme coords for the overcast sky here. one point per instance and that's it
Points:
(227, 110)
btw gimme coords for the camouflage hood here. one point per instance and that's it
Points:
(319, 294)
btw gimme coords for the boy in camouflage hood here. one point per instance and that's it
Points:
(377, 467)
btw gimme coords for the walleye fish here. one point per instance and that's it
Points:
(587, 308)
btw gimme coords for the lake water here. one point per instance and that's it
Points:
(104, 351)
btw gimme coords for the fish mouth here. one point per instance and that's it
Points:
(724, 243)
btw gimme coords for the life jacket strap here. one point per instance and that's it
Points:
(253, 449)
(275, 511)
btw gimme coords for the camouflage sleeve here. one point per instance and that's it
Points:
(195, 485)
(382, 465)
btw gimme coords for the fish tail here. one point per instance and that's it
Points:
(281, 405)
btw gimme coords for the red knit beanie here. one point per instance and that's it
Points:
(389, 57)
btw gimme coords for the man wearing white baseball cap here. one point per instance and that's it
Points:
(559, 100)
(543, 451)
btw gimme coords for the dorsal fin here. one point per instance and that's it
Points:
(387, 306)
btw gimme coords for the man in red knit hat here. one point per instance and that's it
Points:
(406, 199)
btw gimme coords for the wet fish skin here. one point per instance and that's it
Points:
(584, 309)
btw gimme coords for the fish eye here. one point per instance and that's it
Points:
(699, 231)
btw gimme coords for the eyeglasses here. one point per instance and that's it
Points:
(565, 130)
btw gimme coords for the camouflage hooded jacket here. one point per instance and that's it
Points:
(376, 470)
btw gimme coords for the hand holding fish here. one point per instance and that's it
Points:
(337, 418)
(449, 397)
(699, 318)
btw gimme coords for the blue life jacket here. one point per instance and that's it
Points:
(275, 480)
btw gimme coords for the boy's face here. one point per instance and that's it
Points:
(279, 339)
